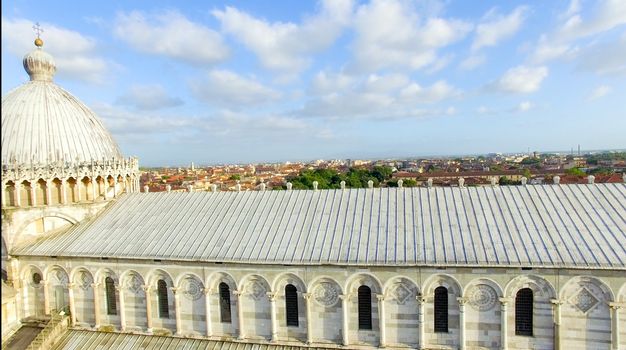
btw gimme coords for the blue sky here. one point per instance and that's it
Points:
(262, 81)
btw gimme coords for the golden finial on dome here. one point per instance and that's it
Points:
(38, 31)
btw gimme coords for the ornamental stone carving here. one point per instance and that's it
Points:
(326, 294)
(482, 297)
(84, 280)
(584, 300)
(192, 289)
(257, 290)
(135, 285)
(401, 293)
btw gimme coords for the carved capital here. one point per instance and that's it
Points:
(615, 305)
(380, 297)
(207, 291)
(307, 296)
(504, 301)
(461, 301)
(238, 292)
(146, 288)
(175, 290)
(344, 297)
(71, 285)
(271, 296)
(557, 302)
(94, 285)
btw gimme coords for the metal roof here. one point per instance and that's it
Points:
(88, 340)
(533, 225)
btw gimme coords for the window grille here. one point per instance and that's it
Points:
(110, 294)
(291, 304)
(225, 316)
(441, 310)
(164, 309)
(524, 312)
(365, 307)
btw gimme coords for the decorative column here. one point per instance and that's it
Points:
(344, 309)
(272, 297)
(207, 306)
(557, 322)
(381, 320)
(63, 191)
(33, 195)
(179, 325)
(93, 188)
(48, 192)
(3, 194)
(18, 194)
(147, 291)
(504, 323)
(461, 322)
(46, 297)
(421, 304)
(240, 313)
(96, 303)
(120, 290)
(615, 307)
(309, 326)
(77, 188)
(70, 292)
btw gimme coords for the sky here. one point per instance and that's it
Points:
(214, 82)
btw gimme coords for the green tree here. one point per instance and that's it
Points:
(575, 172)
(235, 177)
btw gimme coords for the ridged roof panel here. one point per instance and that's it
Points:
(534, 225)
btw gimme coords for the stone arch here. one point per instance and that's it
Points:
(326, 307)
(621, 294)
(451, 338)
(103, 273)
(132, 284)
(192, 304)
(585, 312)
(356, 280)
(280, 283)
(99, 183)
(218, 327)
(72, 190)
(254, 298)
(541, 287)
(9, 194)
(166, 322)
(401, 304)
(33, 298)
(26, 198)
(353, 283)
(40, 192)
(56, 193)
(84, 307)
(482, 296)
(58, 279)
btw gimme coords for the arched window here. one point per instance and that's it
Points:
(109, 285)
(365, 307)
(291, 304)
(225, 303)
(36, 278)
(524, 312)
(164, 308)
(441, 309)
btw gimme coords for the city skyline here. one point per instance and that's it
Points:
(216, 83)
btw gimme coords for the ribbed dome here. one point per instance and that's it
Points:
(44, 124)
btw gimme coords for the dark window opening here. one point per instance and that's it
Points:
(365, 307)
(225, 303)
(164, 309)
(291, 304)
(36, 278)
(110, 296)
(524, 312)
(441, 310)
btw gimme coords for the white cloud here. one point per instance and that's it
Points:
(75, 54)
(374, 96)
(496, 28)
(472, 62)
(228, 89)
(562, 43)
(171, 34)
(606, 58)
(390, 33)
(287, 46)
(600, 91)
(521, 79)
(524, 106)
(148, 97)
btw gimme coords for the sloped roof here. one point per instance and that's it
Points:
(533, 225)
(88, 340)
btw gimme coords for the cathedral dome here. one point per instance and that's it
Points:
(44, 124)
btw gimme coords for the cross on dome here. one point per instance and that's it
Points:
(38, 30)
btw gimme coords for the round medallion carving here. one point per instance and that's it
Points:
(326, 294)
(193, 289)
(482, 297)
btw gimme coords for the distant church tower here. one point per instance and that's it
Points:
(59, 163)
